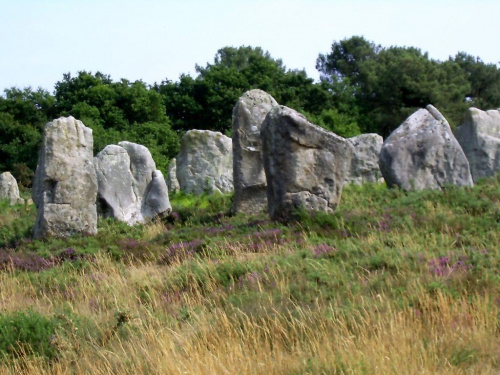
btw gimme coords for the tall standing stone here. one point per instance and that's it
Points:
(305, 165)
(205, 162)
(9, 189)
(479, 137)
(65, 184)
(250, 187)
(423, 153)
(130, 187)
(364, 165)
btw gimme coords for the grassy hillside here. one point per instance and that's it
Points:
(392, 283)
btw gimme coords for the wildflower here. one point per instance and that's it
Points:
(323, 250)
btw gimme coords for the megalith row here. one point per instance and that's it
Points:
(422, 153)
(290, 162)
(71, 188)
(277, 160)
(211, 162)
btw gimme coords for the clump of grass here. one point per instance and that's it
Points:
(16, 222)
(26, 333)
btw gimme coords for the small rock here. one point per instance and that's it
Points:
(9, 189)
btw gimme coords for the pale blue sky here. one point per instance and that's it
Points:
(153, 39)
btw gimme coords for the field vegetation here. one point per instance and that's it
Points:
(393, 283)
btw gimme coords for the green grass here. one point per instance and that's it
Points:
(388, 252)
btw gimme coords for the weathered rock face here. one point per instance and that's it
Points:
(479, 137)
(116, 197)
(250, 187)
(9, 189)
(305, 165)
(156, 200)
(423, 153)
(205, 162)
(364, 165)
(65, 184)
(130, 187)
(172, 182)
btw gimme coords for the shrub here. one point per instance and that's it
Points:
(29, 333)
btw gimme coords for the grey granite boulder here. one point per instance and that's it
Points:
(155, 201)
(65, 184)
(364, 165)
(250, 188)
(205, 162)
(305, 165)
(9, 189)
(116, 197)
(130, 187)
(423, 153)
(479, 137)
(172, 182)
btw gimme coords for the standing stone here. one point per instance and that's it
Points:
(205, 162)
(65, 184)
(423, 153)
(250, 188)
(156, 202)
(172, 182)
(479, 137)
(364, 165)
(306, 166)
(116, 197)
(142, 166)
(9, 189)
(130, 187)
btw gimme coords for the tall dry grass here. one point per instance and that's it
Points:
(432, 334)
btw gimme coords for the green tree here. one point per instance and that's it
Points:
(340, 123)
(28, 106)
(206, 101)
(484, 81)
(23, 113)
(388, 84)
(348, 59)
(96, 93)
(161, 140)
(118, 111)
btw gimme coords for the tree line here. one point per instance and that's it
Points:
(363, 87)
